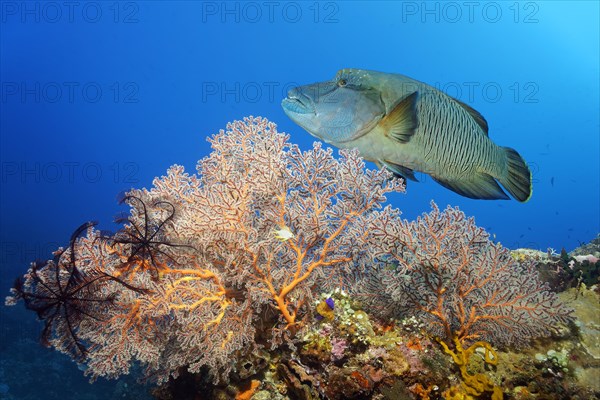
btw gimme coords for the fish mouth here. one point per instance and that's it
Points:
(298, 103)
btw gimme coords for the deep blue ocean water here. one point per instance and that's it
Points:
(99, 97)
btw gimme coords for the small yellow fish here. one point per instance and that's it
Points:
(284, 233)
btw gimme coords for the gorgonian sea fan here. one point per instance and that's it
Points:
(210, 252)
(445, 270)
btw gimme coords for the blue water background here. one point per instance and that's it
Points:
(99, 97)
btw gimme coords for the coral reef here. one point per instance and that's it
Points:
(586, 304)
(591, 248)
(564, 270)
(276, 273)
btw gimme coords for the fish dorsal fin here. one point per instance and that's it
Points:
(401, 123)
(400, 170)
(476, 115)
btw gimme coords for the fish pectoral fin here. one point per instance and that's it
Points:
(475, 115)
(401, 123)
(477, 186)
(399, 170)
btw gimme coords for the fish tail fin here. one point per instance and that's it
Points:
(517, 180)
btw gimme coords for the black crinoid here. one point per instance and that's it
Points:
(63, 296)
(148, 246)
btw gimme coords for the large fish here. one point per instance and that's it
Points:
(406, 126)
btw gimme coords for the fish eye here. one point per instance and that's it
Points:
(342, 82)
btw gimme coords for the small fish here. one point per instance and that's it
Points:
(407, 126)
(284, 233)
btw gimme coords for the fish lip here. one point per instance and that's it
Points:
(298, 103)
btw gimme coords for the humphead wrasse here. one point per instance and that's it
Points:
(407, 126)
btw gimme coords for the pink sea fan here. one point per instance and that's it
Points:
(214, 263)
(445, 271)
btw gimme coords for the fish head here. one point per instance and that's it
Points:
(336, 111)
